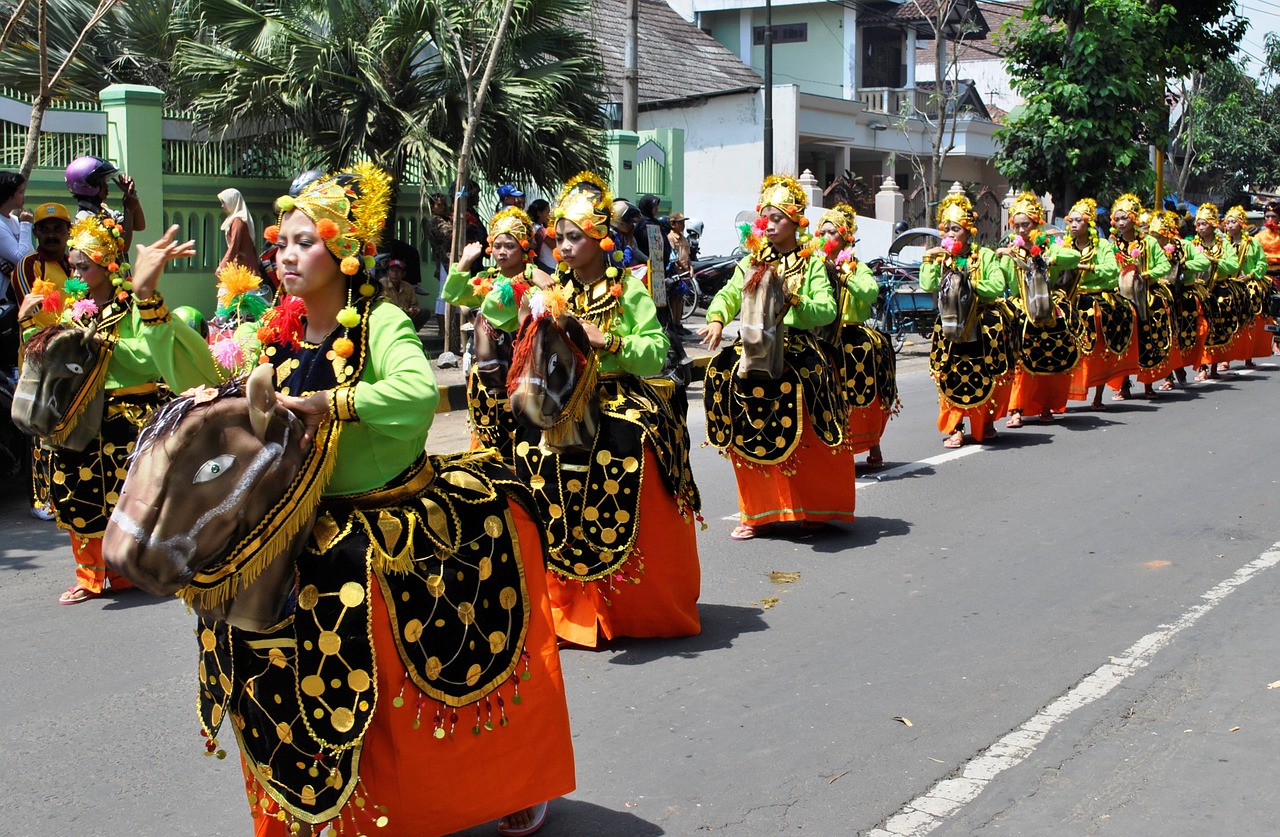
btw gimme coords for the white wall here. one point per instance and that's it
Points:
(988, 76)
(723, 163)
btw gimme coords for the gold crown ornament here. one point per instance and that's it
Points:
(782, 191)
(843, 217)
(1207, 212)
(1029, 205)
(585, 202)
(349, 208)
(1166, 223)
(1128, 203)
(512, 221)
(100, 238)
(1088, 209)
(957, 209)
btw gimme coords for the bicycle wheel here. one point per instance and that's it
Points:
(886, 320)
(691, 296)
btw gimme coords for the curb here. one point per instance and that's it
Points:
(453, 397)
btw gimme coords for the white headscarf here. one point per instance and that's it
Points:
(233, 202)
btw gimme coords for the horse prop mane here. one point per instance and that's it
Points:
(219, 499)
(958, 307)
(551, 382)
(59, 396)
(763, 334)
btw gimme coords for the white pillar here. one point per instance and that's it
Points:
(849, 42)
(744, 36)
(812, 191)
(890, 205)
(911, 59)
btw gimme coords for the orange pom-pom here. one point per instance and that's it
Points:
(616, 290)
(524, 244)
(263, 359)
(370, 250)
(266, 334)
(349, 266)
(272, 233)
(804, 222)
(343, 347)
(555, 253)
(112, 267)
(327, 229)
(108, 222)
(550, 233)
(488, 251)
(606, 244)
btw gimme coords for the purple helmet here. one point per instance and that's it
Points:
(86, 175)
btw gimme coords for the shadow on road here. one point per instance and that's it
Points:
(1085, 421)
(721, 625)
(133, 597)
(573, 818)
(865, 531)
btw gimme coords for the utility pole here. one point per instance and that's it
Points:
(768, 87)
(631, 68)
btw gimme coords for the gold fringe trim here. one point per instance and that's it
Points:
(270, 538)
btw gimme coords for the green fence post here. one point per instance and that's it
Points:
(134, 131)
(622, 163)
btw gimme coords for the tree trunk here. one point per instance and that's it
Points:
(452, 332)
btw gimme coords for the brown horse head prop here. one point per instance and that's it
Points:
(551, 383)
(492, 354)
(205, 508)
(59, 396)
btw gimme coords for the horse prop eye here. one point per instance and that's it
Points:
(75, 368)
(214, 468)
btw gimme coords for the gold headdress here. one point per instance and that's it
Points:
(1029, 205)
(349, 209)
(782, 191)
(585, 201)
(959, 210)
(512, 221)
(844, 217)
(1129, 203)
(1088, 208)
(1207, 212)
(99, 237)
(1166, 223)
(1239, 214)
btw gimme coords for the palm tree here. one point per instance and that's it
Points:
(389, 82)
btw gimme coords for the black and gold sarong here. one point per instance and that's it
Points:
(967, 373)
(1155, 335)
(762, 419)
(867, 366)
(440, 543)
(1049, 349)
(85, 485)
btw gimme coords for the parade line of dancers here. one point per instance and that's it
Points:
(372, 618)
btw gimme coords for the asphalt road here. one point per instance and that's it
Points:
(1077, 622)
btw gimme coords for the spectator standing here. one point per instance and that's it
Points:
(440, 239)
(540, 213)
(681, 263)
(238, 228)
(87, 178)
(15, 227)
(652, 232)
(397, 289)
(509, 195)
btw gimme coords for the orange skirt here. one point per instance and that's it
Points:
(661, 600)
(435, 787)
(866, 426)
(815, 484)
(1102, 365)
(1033, 394)
(979, 418)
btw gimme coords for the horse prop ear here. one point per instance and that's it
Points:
(262, 399)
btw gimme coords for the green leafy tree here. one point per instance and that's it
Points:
(391, 82)
(1092, 76)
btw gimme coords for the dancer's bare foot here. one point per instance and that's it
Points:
(523, 823)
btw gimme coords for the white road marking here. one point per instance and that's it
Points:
(926, 812)
(901, 470)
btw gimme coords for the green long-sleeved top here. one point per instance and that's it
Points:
(1253, 262)
(644, 343)
(395, 402)
(147, 352)
(1194, 262)
(860, 292)
(1222, 254)
(816, 307)
(459, 288)
(989, 278)
(1157, 265)
(1057, 258)
(1098, 268)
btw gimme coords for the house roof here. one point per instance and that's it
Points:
(966, 93)
(677, 59)
(917, 14)
(996, 13)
